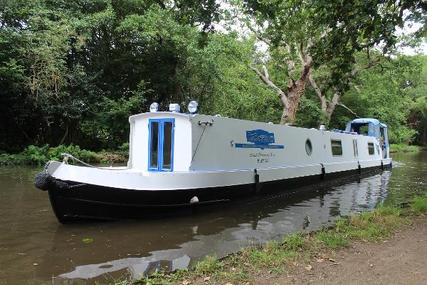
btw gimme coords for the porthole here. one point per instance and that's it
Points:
(308, 147)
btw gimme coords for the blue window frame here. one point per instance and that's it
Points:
(160, 144)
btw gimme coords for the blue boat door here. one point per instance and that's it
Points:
(160, 144)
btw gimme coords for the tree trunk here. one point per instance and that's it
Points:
(294, 94)
(295, 90)
(331, 105)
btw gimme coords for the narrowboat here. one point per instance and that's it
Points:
(186, 160)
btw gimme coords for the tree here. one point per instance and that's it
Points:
(323, 35)
(417, 91)
(384, 92)
(284, 27)
(75, 70)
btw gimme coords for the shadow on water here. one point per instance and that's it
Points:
(35, 249)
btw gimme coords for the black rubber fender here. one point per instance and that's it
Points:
(43, 181)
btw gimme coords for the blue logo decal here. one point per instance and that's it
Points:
(259, 139)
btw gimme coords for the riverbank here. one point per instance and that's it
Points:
(394, 148)
(35, 155)
(303, 257)
(397, 260)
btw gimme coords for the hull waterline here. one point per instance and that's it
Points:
(72, 201)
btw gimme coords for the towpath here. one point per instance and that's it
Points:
(400, 260)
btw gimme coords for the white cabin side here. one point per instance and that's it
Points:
(224, 146)
(211, 143)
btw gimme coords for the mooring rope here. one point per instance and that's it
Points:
(67, 156)
(70, 156)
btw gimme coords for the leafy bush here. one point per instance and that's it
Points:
(404, 148)
(36, 155)
(124, 148)
(55, 153)
(12, 159)
(39, 155)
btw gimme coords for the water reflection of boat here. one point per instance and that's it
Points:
(181, 160)
(142, 247)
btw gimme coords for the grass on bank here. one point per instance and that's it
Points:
(404, 148)
(39, 155)
(277, 257)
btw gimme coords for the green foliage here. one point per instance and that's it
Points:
(332, 240)
(55, 153)
(417, 90)
(208, 265)
(309, 113)
(73, 71)
(35, 155)
(124, 148)
(419, 204)
(372, 226)
(293, 242)
(12, 159)
(404, 148)
(238, 92)
(384, 92)
(273, 255)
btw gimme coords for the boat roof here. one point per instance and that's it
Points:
(158, 114)
(362, 121)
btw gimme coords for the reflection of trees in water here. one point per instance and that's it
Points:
(176, 243)
(411, 170)
(334, 209)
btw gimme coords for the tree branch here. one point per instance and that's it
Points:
(257, 34)
(348, 109)
(336, 97)
(265, 77)
(315, 86)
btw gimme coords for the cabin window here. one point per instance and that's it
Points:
(308, 147)
(336, 147)
(371, 148)
(355, 150)
(154, 144)
(167, 145)
(161, 136)
(364, 130)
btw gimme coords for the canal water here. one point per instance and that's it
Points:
(36, 249)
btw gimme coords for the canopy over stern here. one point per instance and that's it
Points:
(373, 128)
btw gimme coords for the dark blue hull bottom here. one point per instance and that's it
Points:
(76, 202)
